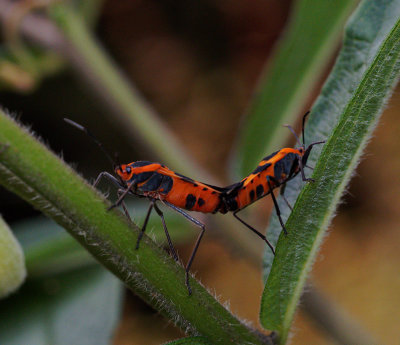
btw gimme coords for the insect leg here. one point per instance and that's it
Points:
(194, 251)
(303, 176)
(255, 231)
(171, 246)
(282, 194)
(278, 211)
(119, 193)
(123, 195)
(197, 244)
(144, 224)
(109, 177)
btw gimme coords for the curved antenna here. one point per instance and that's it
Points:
(294, 133)
(316, 143)
(302, 130)
(84, 129)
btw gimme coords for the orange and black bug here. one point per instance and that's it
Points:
(156, 182)
(272, 172)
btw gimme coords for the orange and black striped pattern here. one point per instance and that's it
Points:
(156, 181)
(277, 169)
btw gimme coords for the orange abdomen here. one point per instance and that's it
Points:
(277, 167)
(193, 196)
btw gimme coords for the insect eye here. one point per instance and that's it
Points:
(128, 170)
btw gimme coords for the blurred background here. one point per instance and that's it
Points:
(197, 63)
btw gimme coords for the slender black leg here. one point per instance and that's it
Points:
(171, 246)
(197, 244)
(144, 224)
(194, 251)
(119, 193)
(109, 177)
(278, 211)
(282, 194)
(123, 195)
(255, 231)
(122, 191)
(303, 176)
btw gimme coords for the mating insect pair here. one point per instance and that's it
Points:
(156, 182)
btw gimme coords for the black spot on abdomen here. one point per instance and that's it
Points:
(259, 190)
(190, 201)
(252, 195)
(201, 202)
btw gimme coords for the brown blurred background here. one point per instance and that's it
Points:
(197, 63)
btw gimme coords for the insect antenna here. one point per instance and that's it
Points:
(294, 133)
(302, 130)
(84, 129)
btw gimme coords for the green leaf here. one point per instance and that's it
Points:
(31, 171)
(355, 93)
(300, 57)
(82, 307)
(362, 40)
(12, 263)
(49, 249)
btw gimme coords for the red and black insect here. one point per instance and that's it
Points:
(156, 182)
(272, 172)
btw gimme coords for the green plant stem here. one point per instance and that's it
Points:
(190, 341)
(28, 169)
